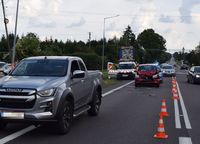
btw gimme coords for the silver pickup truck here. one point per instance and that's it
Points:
(49, 89)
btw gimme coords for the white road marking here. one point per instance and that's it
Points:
(17, 134)
(116, 89)
(185, 114)
(32, 127)
(177, 116)
(185, 140)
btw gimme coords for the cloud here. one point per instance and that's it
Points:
(79, 23)
(166, 19)
(41, 23)
(185, 10)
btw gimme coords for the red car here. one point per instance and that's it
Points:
(147, 74)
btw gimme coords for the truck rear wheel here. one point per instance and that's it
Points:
(95, 104)
(65, 118)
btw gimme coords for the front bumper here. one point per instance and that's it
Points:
(147, 81)
(126, 75)
(43, 109)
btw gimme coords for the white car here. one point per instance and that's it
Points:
(168, 70)
(4, 67)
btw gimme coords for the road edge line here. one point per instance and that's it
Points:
(17, 134)
(118, 88)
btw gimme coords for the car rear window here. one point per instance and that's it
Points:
(147, 68)
(167, 67)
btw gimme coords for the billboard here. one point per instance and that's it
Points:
(126, 53)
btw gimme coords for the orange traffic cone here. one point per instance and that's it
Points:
(174, 91)
(164, 109)
(175, 96)
(161, 130)
(174, 86)
(173, 81)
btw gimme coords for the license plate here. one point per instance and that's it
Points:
(12, 115)
(124, 75)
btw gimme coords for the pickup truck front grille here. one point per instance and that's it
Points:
(20, 100)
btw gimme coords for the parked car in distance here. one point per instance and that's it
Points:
(6, 68)
(1, 65)
(147, 74)
(193, 75)
(168, 70)
(184, 66)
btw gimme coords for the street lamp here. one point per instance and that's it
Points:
(15, 36)
(104, 38)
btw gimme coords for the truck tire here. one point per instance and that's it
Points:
(95, 104)
(65, 118)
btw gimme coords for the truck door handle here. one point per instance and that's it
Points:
(82, 81)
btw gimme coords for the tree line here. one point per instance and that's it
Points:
(149, 46)
(191, 58)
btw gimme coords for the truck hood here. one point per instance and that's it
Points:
(146, 73)
(30, 82)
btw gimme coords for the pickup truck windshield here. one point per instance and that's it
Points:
(44, 67)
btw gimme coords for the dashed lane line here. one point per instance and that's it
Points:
(116, 89)
(185, 114)
(185, 140)
(177, 115)
(182, 140)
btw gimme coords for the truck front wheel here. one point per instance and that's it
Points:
(65, 118)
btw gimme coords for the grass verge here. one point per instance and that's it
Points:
(107, 82)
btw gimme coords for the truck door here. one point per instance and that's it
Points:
(87, 81)
(77, 86)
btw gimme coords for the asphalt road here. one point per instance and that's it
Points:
(128, 115)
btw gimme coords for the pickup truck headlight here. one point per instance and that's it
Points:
(197, 76)
(48, 92)
(156, 76)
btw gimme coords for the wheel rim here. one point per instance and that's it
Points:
(67, 116)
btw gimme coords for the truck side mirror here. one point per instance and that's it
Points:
(78, 74)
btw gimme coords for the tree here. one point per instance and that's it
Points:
(153, 44)
(128, 37)
(28, 45)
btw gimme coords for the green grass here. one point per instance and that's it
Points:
(107, 82)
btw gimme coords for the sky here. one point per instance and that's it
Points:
(178, 21)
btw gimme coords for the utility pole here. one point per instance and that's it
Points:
(89, 40)
(14, 43)
(6, 22)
